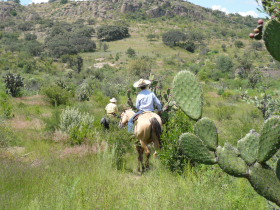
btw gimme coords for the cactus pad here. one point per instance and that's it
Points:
(248, 147)
(188, 94)
(269, 139)
(206, 130)
(265, 182)
(271, 38)
(194, 148)
(229, 161)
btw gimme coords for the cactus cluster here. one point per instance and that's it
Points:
(14, 83)
(266, 103)
(247, 160)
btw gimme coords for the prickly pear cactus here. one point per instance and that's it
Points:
(230, 162)
(194, 147)
(188, 94)
(206, 130)
(265, 182)
(269, 139)
(248, 160)
(248, 147)
(271, 38)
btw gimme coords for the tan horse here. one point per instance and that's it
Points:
(148, 129)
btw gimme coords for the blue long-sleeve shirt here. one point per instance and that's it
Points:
(146, 100)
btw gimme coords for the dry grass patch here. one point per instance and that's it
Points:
(32, 100)
(20, 123)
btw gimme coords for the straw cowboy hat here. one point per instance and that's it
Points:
(141, 83)
(113, 100)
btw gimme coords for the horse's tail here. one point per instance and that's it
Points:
(157, 128)
(105, 122)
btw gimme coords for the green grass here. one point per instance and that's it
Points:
(91, 183)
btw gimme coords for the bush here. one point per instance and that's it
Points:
(14, 83)
(57, 95)
(85, 90)
(257, 45)
(172, 38)
(188, 45)
(25, 26)
(239, 44)
(29, 37)
(72, 118)
(170, 154)
(112, 32)
(224, 112)
(5, 106)
(224, 64)
(131, 52)
(7, 137)
(140, 67)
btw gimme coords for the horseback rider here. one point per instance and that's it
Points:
(145, 101)
(112, 108)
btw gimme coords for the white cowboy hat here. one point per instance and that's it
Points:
(141, 83)
(113, 100)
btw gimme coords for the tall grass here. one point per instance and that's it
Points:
(90, 182)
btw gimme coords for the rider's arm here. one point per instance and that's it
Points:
(137, 103)
(157, 102)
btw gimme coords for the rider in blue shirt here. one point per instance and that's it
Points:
(145, 101)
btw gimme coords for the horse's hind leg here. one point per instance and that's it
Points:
(140, 151)
(157, 146)
(148, 153)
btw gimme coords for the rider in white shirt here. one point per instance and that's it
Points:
(145, 101)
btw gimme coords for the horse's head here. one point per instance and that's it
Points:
(125, 116)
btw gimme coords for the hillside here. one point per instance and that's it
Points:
(74, 57)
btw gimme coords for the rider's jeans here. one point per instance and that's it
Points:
(130, 124)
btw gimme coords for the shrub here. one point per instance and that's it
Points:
(224, 112)
(7, 137)
(5, 106)
(57, 95)
(257, 45)
(151, 37)
(224, 64)
(25, 26)
(112, 32)
(140, 67)
(131, 52)
(188, 45)
(239, 44)
(72, 118)
(170, 154)
(14, 83)
(29, 37)
(173, 37)
(85, 90)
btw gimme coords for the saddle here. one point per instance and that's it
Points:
(137, 116)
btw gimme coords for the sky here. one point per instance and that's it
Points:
(243, 7)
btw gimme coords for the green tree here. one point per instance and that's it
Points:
(112, 32)
(172, 38)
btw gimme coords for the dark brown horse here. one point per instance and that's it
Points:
(148, 129)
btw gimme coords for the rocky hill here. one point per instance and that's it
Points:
(108, 9)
